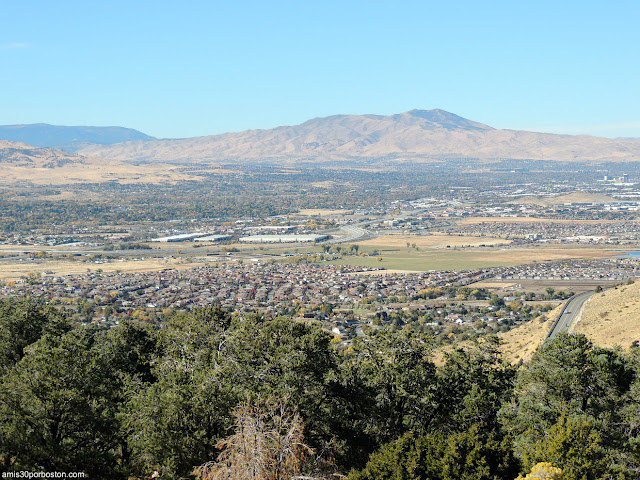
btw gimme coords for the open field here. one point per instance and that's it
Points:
(439, 258)
(612, 317)
(432, 241)
(94, 173)
(381, 273)
(387, 252)
(16, 270)
(494, 284)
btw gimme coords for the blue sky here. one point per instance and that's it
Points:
(179, 69)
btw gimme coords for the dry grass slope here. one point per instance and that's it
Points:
(612, 318)
(521, 342)
(411, 135)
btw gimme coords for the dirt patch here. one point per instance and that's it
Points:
(17, 270)
(432, 241)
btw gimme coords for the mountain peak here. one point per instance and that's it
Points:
(447, 120)
(68, 138)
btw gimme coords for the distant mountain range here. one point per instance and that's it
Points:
(22, 164)
(69, 139)
(414, 136)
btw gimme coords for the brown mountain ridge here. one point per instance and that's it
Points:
(22, 164)
(416, 134)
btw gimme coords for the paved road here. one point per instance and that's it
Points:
(570, 313)
(354, 234)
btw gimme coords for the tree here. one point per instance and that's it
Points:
(468, 455)
(569, 377)
(131, 350)
(472, 385)
(212, 361)
(574, 445)
(267, 444)
(387, 388)
(175, 422)
(567, 374)
(543, 471)
(282, 357)
(407, 458)
(56, 408)
(22, 322)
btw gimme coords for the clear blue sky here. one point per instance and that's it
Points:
(189, 68)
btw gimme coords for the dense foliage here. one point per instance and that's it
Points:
(140, 402)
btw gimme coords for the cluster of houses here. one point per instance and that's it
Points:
(609, 269)
(593, 233)
(264, 287)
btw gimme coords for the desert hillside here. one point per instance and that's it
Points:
(25, 164)
(521, 342)
(612, 317)
(416, 135)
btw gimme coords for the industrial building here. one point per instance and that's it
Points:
(213, 238)
(283, 238)
(184, 237)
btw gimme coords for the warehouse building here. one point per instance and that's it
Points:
(283, 238)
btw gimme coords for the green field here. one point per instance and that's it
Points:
(421, 259)
(429, 260)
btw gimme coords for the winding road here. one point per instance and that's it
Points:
(570, 313)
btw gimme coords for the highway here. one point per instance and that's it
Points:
(354, 234)
(570, 313)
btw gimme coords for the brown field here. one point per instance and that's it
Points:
(432, 241)
(17, 270)
(542, 254)
(539, 286)
(94, 173)
(612, 318)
